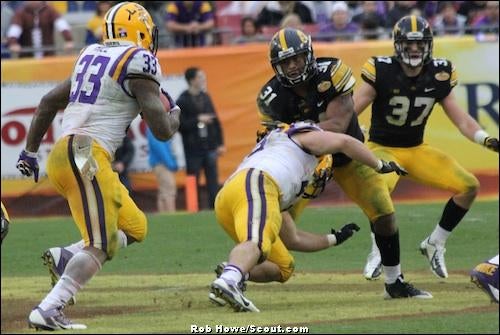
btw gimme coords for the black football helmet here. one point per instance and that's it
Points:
(412, 28)
(288, 43)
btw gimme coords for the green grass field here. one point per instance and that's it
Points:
(161, 285)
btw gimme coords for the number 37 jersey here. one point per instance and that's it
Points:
(100, 102)
(403, 104)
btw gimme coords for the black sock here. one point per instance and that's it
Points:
(389, 248)
(452, 215)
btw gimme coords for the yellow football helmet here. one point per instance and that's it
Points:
(129, 21)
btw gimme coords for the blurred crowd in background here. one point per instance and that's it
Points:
(40, 28)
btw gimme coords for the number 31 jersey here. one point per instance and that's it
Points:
(403, 104)
(100, 102)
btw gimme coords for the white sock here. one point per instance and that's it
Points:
(494, 260)
(392, 273)
(65, 288)
(122, 239)
(79, 270)
(232, 274)
(439, 236)
(75, 247)
(374, 243)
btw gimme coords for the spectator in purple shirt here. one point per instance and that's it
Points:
(341, 27)
(189, 21)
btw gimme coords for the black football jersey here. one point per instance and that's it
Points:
(403, 104)
(334, 78)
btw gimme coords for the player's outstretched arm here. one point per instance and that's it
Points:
(466, 124)
(163, 124)
(325, 142)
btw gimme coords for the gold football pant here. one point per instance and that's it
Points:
(247, 207)
(428, 166)
(99, 206)
(361, 184)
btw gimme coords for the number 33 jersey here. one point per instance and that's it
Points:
(100, 102)
(403, 104)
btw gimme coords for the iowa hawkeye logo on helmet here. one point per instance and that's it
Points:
(128, 21)
(288, 43)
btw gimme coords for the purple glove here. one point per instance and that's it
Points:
(28, 164)
(169, 98)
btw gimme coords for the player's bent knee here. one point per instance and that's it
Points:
(140, 230)
(286, 272)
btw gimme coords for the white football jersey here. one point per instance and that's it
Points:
(100, 102)
(285, 161)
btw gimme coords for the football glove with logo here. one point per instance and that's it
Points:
(388, 167)
(28, 164)
(491, 143)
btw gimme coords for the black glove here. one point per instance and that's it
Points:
(388, 167)
(491, 143)
(345, 232)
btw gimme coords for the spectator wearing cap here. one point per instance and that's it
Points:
(341, 28)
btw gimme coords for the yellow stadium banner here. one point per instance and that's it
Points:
(235, 76)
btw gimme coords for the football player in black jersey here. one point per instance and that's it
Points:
(320, 90)
(403, 90)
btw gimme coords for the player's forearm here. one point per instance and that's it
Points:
(308, 242)
(358, 151)
(50, 104)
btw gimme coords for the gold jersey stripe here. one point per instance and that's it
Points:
(124, 60)
(339, 72)
(344, 80)
(454, 76)
(368, 75)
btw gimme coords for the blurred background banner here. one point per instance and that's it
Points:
(236, 75)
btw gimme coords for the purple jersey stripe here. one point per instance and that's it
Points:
(263, 208)
(115, 65)
(81, 187)
(250, 203)
(100, 210)
(123, 72)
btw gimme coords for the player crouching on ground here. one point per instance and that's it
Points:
(250, 204)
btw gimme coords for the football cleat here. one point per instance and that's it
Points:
(56, 259)
(218, 272)
(485, 276)
(231, 293)
(435, 255)
(53, 319)
(373, 266)
(402, 289)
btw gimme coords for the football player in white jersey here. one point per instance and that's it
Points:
(111, 84)
(269, 181)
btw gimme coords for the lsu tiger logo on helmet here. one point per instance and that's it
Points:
(129, 21)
